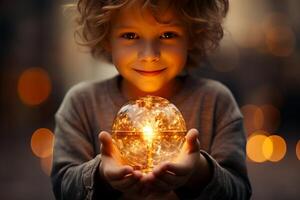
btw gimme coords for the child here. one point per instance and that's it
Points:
(151, 43)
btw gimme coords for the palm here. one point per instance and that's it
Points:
(169, 176)
(120, 177)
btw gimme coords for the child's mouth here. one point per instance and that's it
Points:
(149, 73)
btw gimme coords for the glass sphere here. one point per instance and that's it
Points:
(147, 132)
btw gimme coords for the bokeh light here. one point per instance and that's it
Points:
(298, 149)
(265, 117)
(279, 37)
(267, 148)
(253, 118)
(271, 117)
(278, 148)
(255, 146)
(280, 41)
(34, 86)
(261, 147)
(250, 36)
(46, 164)
(42, 142)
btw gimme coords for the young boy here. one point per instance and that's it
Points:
(151, 43)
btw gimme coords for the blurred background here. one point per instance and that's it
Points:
(259, 60)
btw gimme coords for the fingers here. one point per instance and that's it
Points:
(174, 169)
(106, 141)
(127, 181)
(116, 173)
(164, 181)
(192, 142)
(154, 184)
(167, 177)
(108, 148)
(122, 178)
(130, 185)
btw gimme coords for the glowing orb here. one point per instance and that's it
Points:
(147, 132)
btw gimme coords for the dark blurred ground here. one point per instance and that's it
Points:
(259, 60)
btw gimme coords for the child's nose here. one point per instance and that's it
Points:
(149, 52)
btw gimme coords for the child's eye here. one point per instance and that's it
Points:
(130, 36)
(168, 35)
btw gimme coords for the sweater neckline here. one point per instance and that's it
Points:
(115, 93)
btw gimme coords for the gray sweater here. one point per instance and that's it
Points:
(90, 107)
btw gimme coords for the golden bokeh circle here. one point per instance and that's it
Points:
(268, 148)
(46, 164)
(42, 142)
(254, 147)
(34, 86)
(279, 148)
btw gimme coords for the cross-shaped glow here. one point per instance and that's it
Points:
(148, 132)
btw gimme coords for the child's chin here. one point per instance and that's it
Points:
(149, 86)
(149, 89)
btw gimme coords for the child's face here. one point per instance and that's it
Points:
(148, 54)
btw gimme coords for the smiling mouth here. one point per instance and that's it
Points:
(149, 73)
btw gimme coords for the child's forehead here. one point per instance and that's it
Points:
(137, 14)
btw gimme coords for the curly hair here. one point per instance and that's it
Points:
(203, 18)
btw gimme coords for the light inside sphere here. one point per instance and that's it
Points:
(148, 131)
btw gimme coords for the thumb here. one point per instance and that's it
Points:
(192, 142)
(106, 142)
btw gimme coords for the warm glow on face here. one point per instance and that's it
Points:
(34, 86)
(148, 133)
(42, 143)
(144, 52)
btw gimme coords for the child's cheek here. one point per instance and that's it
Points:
(175, 55)
(123, 56)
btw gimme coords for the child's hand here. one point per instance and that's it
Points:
(120, 177)
(169, 176)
